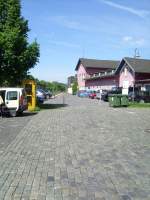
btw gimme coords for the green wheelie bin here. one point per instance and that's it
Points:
(124, 100)
(114, 100)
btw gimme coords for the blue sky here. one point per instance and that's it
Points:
(100, 29)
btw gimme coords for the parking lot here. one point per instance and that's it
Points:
(76, 149)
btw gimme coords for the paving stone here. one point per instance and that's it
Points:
(83, 151)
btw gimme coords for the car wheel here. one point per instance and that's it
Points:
(142, 101)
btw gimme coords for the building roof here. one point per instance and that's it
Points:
(138, 65)
(92, 63)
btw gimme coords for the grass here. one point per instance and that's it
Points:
(139, 105)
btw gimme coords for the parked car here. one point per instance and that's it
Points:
(92, 95)
(40, 96)
(139, 96)
(133, 96)
(98, 95)
(105, 93)
(83, 93)
(41, 91)
(48, 94)
(15, 100)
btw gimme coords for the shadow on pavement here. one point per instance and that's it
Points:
(27, 114)
(52, 106)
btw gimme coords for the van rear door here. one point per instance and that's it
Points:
(12, 100)
(23, 100)
(2, 94)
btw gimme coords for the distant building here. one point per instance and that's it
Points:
(71, 80)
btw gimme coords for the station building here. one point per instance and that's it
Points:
(106, 74)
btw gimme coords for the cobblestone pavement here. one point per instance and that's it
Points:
(84, 151)
(10, 128)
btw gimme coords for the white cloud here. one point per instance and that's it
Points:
(127, 38)
(79, 23)
(133, 41)
(137, 12)
(69, 23)
(140, 42)
(65, 44)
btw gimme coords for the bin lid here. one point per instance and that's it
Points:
(123, 95)
(115, 95)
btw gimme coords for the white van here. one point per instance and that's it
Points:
(14, 99)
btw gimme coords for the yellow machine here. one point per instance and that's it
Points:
(30, 87)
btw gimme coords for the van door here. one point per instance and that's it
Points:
(23, 100)
(2, 94)
(12, 100)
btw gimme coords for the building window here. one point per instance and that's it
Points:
(125, 71)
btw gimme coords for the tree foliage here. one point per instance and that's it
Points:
(52, 86)
(75, 87)
(17, 56)
(46, 85)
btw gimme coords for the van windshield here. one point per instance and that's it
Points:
(12, 95)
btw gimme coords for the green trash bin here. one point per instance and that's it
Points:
(114, 100)
(124, 100)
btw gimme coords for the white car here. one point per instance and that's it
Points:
(14, 99)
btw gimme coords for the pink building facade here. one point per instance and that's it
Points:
(106, 83)
(97, 74)
(133, 72)
(86, 68)
(81, 75)
(126, 78)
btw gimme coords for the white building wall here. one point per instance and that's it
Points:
(70, 91)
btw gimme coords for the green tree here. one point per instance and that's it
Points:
(74, 87)
(17, 56)
(59, 87)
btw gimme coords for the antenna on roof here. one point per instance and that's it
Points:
(136, 53)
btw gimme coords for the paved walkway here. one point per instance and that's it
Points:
(11, 127)
(84, 151)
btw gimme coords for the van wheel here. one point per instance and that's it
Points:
(13, 114)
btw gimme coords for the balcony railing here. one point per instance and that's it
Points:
(100, 74)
